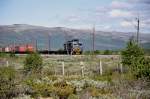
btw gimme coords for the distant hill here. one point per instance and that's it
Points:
(23, 33)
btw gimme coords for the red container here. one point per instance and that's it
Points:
(30, 48)
(22, 48)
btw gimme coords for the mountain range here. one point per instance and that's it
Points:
(23, 34)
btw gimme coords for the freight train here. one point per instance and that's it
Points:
(71, 47)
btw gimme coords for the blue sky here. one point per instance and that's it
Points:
(108, 15)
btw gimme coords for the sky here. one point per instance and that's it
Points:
(106, 15)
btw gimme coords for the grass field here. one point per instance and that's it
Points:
(81, 79)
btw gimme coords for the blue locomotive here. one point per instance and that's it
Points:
(73, 47)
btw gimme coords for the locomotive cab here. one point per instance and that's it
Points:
(73, 47)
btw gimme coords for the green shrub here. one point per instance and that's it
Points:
(133, 57)
(107, 52)
(2, 54)
(33, 63)
(73, 96)
(132, 53)
(7, 82)
(93, 91)
(63, 90)
(12, 54)
(103, 78)
(39, 88)
(142, 68)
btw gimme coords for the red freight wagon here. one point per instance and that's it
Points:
(7, 49)
(22, 48)
(1, 49)
(30, 48)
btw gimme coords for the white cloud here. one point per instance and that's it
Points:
(80, 26)
(109, 17)
(101, 9)
(120, 4)
(126, 24)
(103, 27)
(130, 24)
(73, 18)
(120, 13)
(146, 21)
(107, 27)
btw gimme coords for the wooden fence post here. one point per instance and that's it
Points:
(7, 63)
(121, 69)
(55, 71)
(63, 68)
(82, 68)
(100, 68)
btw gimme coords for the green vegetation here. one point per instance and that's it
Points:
(33, 63)
(103, 52)
(133, 57)
(2, 54)
(132, 53)
(44, 77)
(7, 82)
(147, 51)
(62, 89)
(39, 88)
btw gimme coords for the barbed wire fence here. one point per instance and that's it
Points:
(75, 65)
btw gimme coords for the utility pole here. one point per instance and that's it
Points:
(67, 37)
(36, 45)
(93, 39)
(138, 29)
(49, 43)
(14, 46)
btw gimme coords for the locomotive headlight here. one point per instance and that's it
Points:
(77, 50)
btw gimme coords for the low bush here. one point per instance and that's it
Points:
(39, 88)
(63, 90)
(133, 58)
(142, 68)
(33, 63)
(73, 96)
(7, 82)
